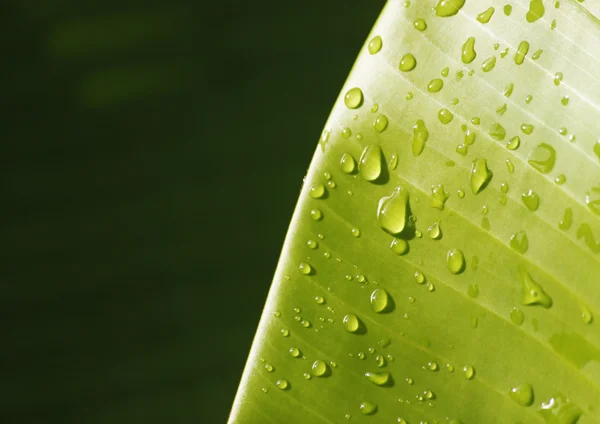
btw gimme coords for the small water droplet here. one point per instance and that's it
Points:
(489, 64)
(346, 133)
(353, 98)
(567, 220)
(380, 300)
(445, 72)
(508, 89)
(408, 63)
(269, 368)
(527, 128)
(317, 191)
(531, 200)
(392, 211)
(420, 24)
(516, 316)
(316, 214)
(480, 175)
(507, 9)
(565, 100)
(521, 52)
(497, 132)
(468, 53)
(435, 85)
(320, 368)
(509, 166)
(519, 242)
(305, 268)
(419, 277)
(375, 44)
(307, 376)
(485, 16)
(295, 352)
(370, 162)
(513, 143)
(455, 261)
(409, 96)
(355, 232)
(460, 193)
(393, 161)
(522, 394)
(558, 77)
(469, 372)
(445, 116)
(586, 314)
(368, 408)
(399, 246)
(434, 231)
(381, 123)
(533, 293)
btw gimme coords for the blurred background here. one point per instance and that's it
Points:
(151, 157)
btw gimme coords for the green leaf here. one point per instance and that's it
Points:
(442, 264)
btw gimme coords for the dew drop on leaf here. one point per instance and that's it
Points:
(480, 175)
(521, 52)
(455, 261)
(375, 45)
(586, 314)
(507, 9)
(393, 161)
(392, 211)
(468, 53)
(446, 8)
(522, 394)
(489, 64)
(317, 191)
(513, 143)
(305, 268)
(379, 378)
(420, 136)
(445, 116)
(294, 352)
(469, 372)
(516, 316)
(316, 214)
(565, 100)
(370, 164)
(438, 197)
(368, 408)
(420, 24)
(320, 368)
(542, 158)
(558, 409)
(353, 98)
(285, 332)
(508, 89)
(519, 242)
(434, 232)
(533, 293)
(380, 300)
(348, 163)
(408, 63)
(435, 85)
(419, 277)
(351, 323)
(527, 128)
(399, 246)
(355, 232)
(269, 368)
(497, 132)
(381, 123)
(531, 200)
(536, 10)
(558, 77)
(485, 16)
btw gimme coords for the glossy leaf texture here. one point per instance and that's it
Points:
(443, 261)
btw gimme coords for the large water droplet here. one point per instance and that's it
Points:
(446, 8)
(317, 191)
(348, 163)
(485, 16)
(531, 200)
(368, 408)
(519, 242)
(380, 300)
(559, 410)
(445, 116)
(408, 63)
(381, 123)
(480, 175)
(392, 211)
(370, 164)
(375, 44)
(353, 98)
(420, 136)
(379, 378)
(521, 52)
(468, 50)
(435, 85)
(455, 261)
(536, 10)
(351, 323)
(399, 246)
(542, 158)
(420, 24)
(533, 293)
(522, 394)
(320, 368)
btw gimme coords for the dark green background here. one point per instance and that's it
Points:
(151, 157)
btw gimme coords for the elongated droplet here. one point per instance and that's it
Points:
(408, 63)
(445, 116)
(519, 242)
(536, 10)
(375, 44)
(522, 394)
(469, 372)
(468, 50)
(392, 211)
(489, 64)
(370, 162)
(592, 199)
(501, 110)
(399, 246)
(368, 408)
(513, 143)
(353, 98)
(533, 293)
(351, 323)
(420, 25)
(559, 410)
(497, 132)
(542, 158)
(380, 300)
(567, 220)
(348, 163)
(435, 85)
(446, 8)
(381, 123)
(521, 52)
(516, 316)
(508, 89)
(558, 77)
(507, 9)
(485, 16)
(531, 200)
(480, 175)
(537, 54)
(438, 196)
(434, 231)
(586, 314)
(393, 161)
(455, 261)
(378, 378)
(320, 368)
(420, 136)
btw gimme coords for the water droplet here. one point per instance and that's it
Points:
(420, 136)
(509, 166)
(560, 179)
(408, 63)
(558, 77)
(381, 123)
(312, 244)
(316, 214)
(265, 390)
(351, 323)
(305, 268)
(455, 261)
(528, 98)
(379, 378)
(519, 242)
(380, 361)
(434, 232)
(320, 368)
(375, 44)
(473, 291)
(489, 64)
(410, 381)
(507, 9)
(480, 175)
(392, 211)
(531, 200)
(485, 16)
(353, 98)
(501, 110)
(516, 316)
(393, 161)
(542, 158)
(527, 128)
(533, 293)
(468, 50)
(295, 352)
(380, 300)
(522, 394)
(305, 323)
(306, 376)
(320, 300)
(419, 277)
(513, 143)
(521, 52)
(469, 372)
(399, 246)
(409, 96)
(559, 410)
(536, 10)
(446, 8)
(445, 73)
(317, 191)
(348, 163)
(355, 232)
(346, 133)
(567, 220)
(508, 89)
(370, 162)
(565, 100)
(269, 368)
(368, 408)
(497, 132)
(435, 85)
(420, 24)
(445, 116)
(586, 314)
